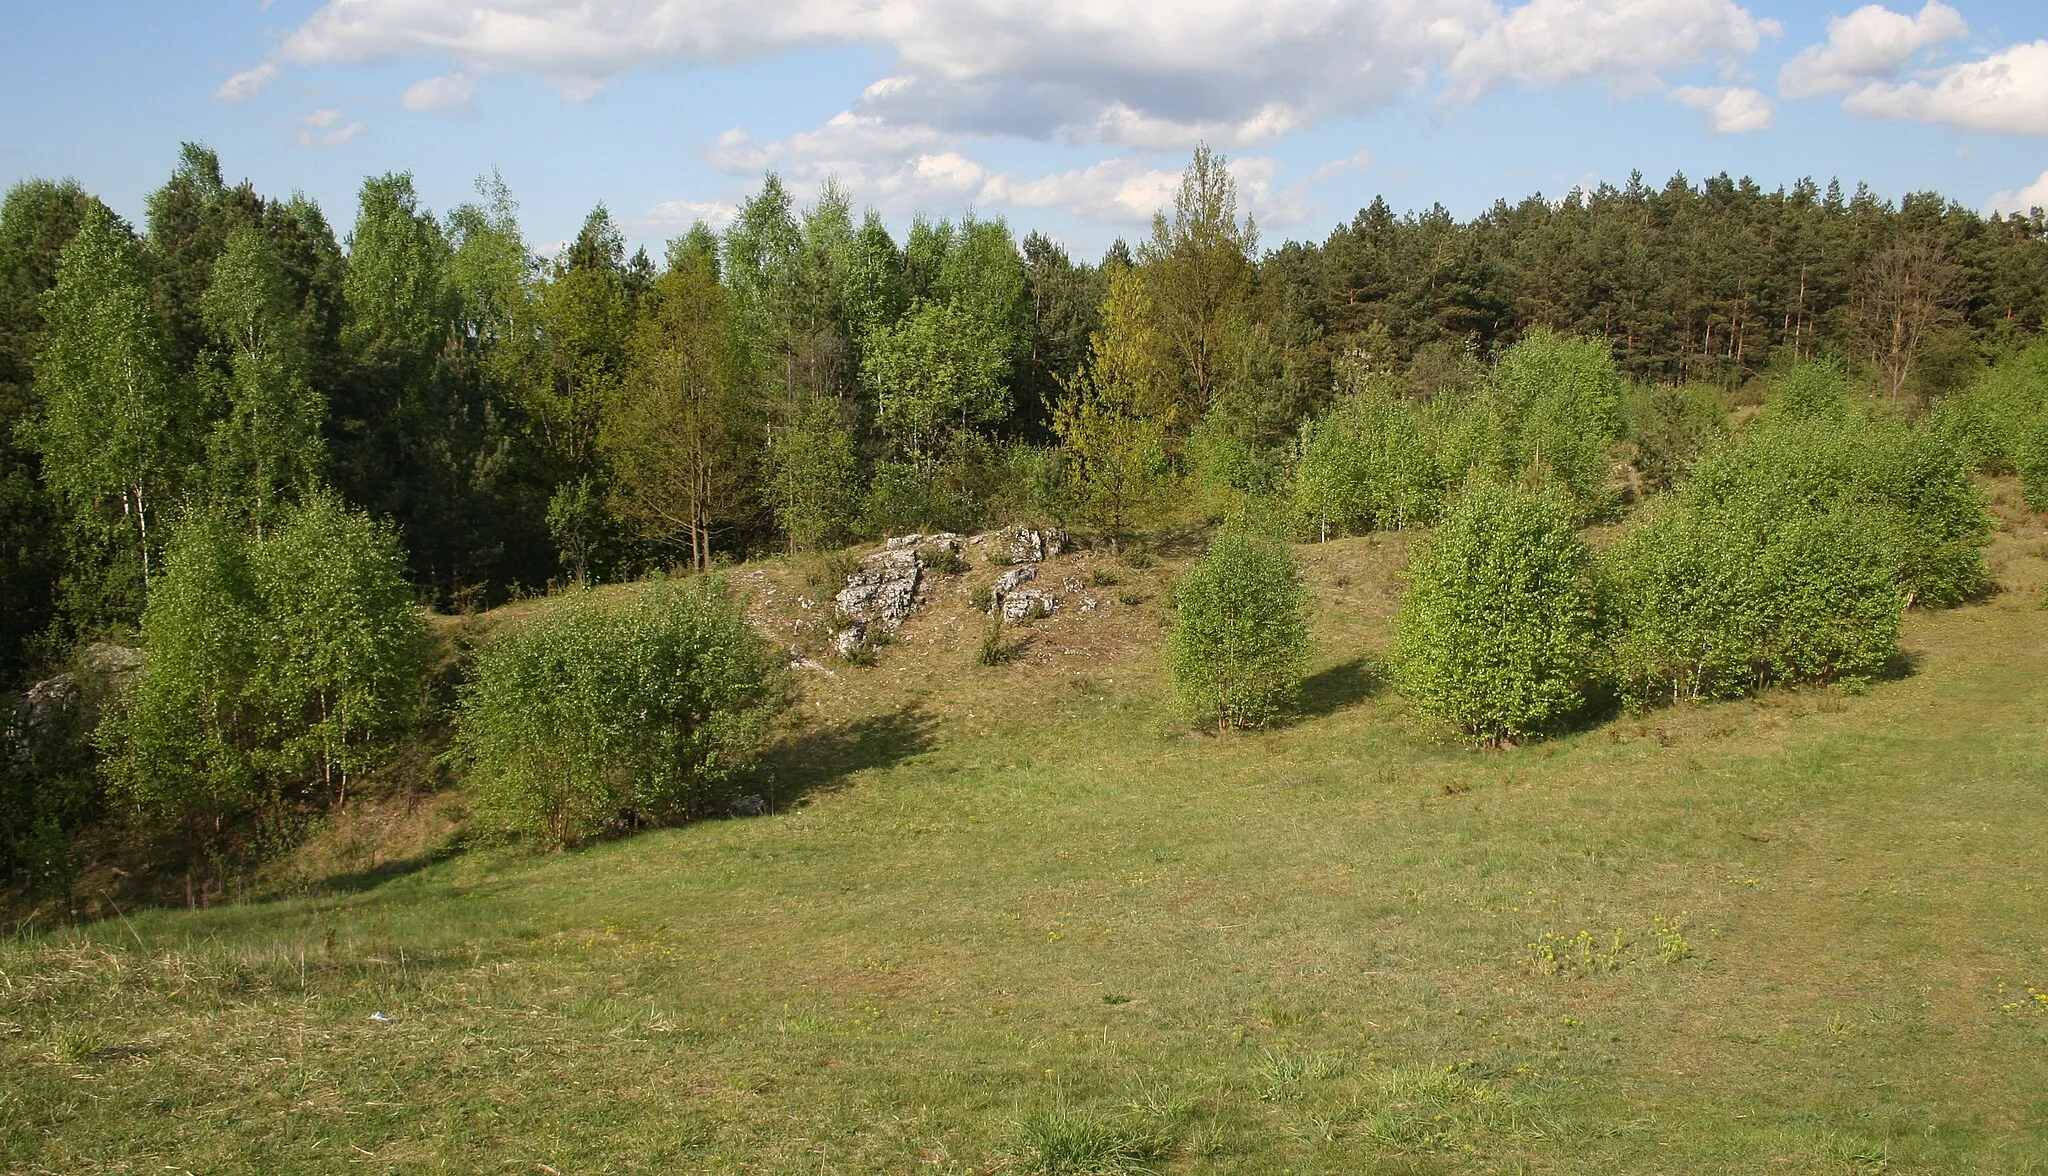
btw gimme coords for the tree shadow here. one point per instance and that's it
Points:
(1344, 684)
(369, 878)
(1903, 663)
(818, 762)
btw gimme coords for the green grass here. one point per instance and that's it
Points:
(1017, 919)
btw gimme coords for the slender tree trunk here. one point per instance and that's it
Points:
(142, 532)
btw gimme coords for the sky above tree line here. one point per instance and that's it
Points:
(1074, 116)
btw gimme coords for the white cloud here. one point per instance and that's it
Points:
(247, 84)
(2006, 92)
(1869, 45)
(676, 215)
(1357, 161)
(1550, 42)
(443, 95)
(1121, 125)
(324, 128)
(1115, 191)
(1730, 110)
(2027, 199)
(902, 168)
(1134, 73)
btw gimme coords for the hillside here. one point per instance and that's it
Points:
(1018, 918)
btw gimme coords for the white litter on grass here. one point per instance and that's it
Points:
(382, 1017)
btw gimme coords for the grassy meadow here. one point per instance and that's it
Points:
(1021, 919)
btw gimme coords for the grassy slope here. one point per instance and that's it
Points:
(1019, 905)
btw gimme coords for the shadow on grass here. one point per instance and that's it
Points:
(818, 762)
(1342, 685)
(357, 881)
(1902, 664)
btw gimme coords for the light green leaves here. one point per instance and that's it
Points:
(1496, 634)
(615, 711)
(1240, 643)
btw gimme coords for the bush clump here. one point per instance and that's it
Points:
(615, 712)
(1912, 485)
(1497, 633)
(1240, 646)
(1991, 421)
(1713, 600)
(277, 670)
(1366, 464)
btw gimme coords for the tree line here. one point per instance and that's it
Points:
(303, 434)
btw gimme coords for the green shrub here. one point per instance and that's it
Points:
(1496, 633)
(276, 671)
(1227, 468)
(1814, 390)
(1680, 604)
(2030, 458)
(1556, 399)
(1669, 428)
(615, 711)
(1712, 600)
(1990, 420)
(1366, 464)
(1239, 648)
(993, 650)
(905, 499)
(1909, 482)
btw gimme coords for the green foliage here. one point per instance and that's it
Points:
(1910, 484)
(812, 478)
(576, 522)
(276, 672)
(681, 435)
(1366, 464)
(1496, 634)
(615, 711)
(37, 219)
(115, 431)
(1790, 555)
(1556, 400)
(397, 280)
(1669, 427)
(1817, 390)
(1227, 469)
(1713, 600)
(269, 439)
(2030, 459)
(937, 373)
(903, 498)
(1240, 644)
(1990, 420)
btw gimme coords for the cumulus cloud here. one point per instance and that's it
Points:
(1121, 125)
(677, 215)
(1548, 42)
(1869, 45)
(247, 84)
(908, 168)
(1135, 76)
(2006, 92)
(443, 95)
(1131, 73)
(1730, 110)
(324, 128)
(2027, 199)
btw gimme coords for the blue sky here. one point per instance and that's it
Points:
(1072, 116)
